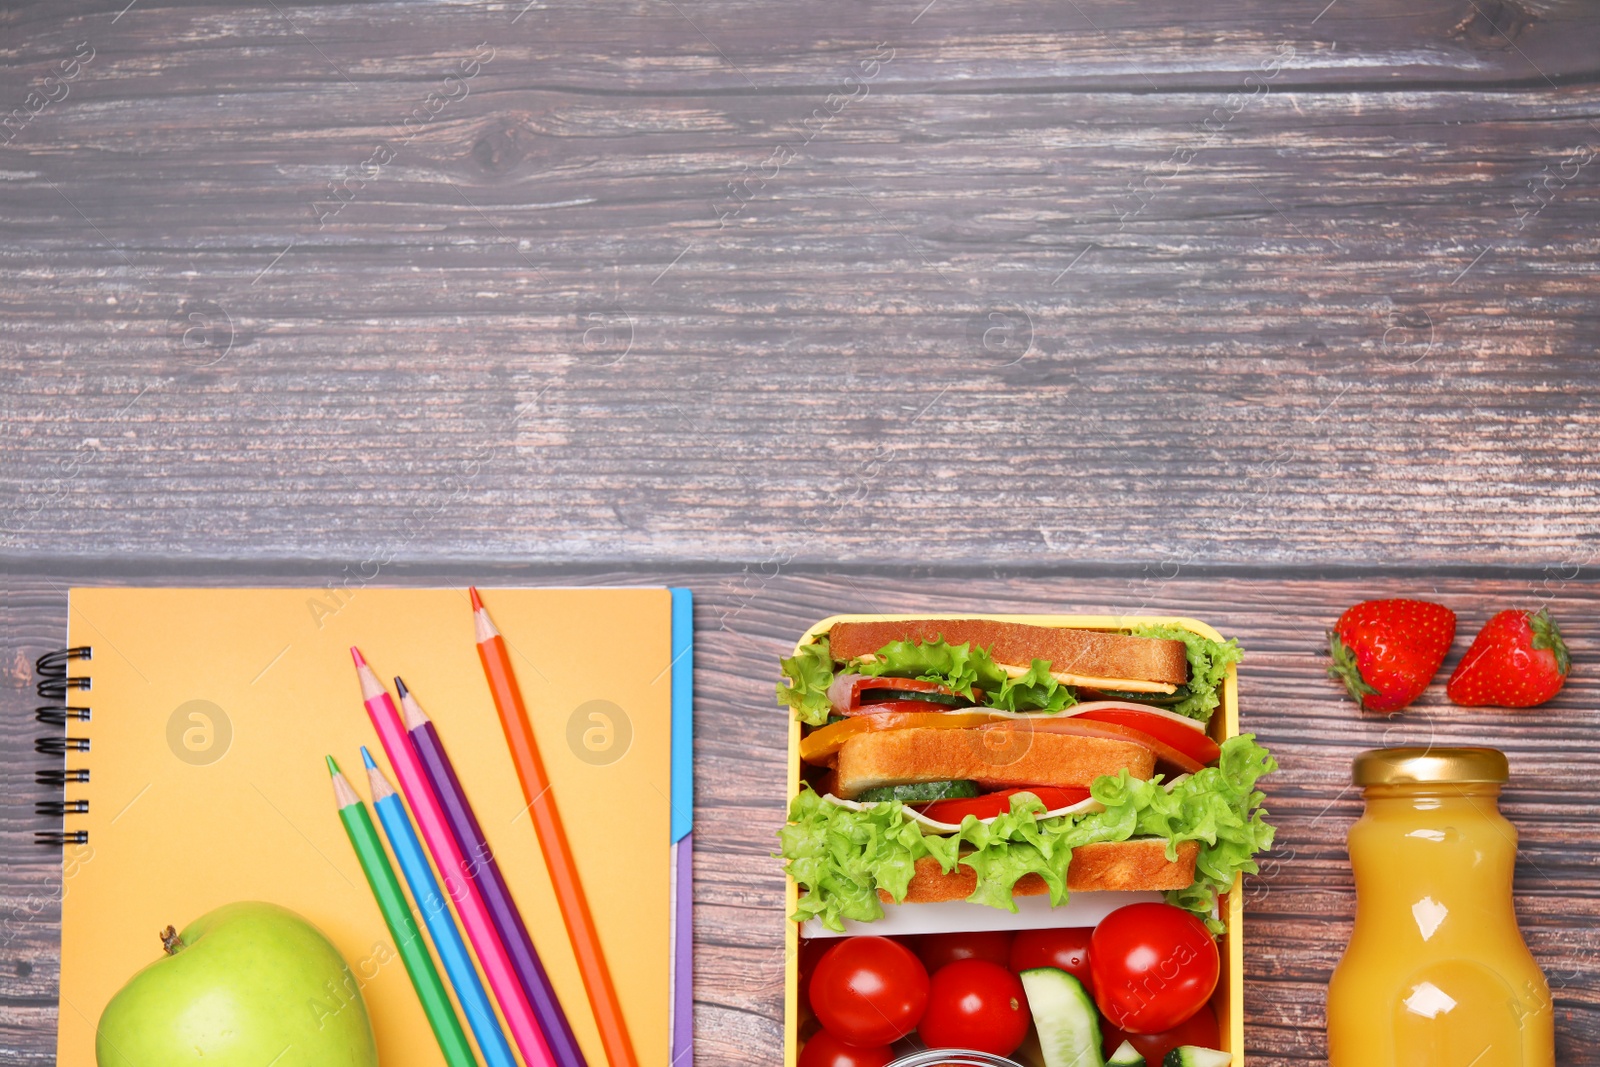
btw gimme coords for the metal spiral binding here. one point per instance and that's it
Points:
(60, 714)
(53, 685)
(60, 746)
(59, 778)
(61, 807)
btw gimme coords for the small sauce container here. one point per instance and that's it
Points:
(1436, 973)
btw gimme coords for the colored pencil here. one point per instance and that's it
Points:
(483, 869)
(402, 927)
(447, 858)
(581, 930)
(436, 914)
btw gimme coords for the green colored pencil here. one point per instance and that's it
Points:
(402, 927)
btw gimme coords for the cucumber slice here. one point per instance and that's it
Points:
(949, 700)
(921, 792)
(1195, 1056)
(1065, 1017)
(1160, 700)
(1126, 1056)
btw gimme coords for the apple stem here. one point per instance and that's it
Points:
(171, 942)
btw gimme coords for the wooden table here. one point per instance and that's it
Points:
(1244, 310)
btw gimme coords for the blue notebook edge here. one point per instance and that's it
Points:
(682, 713)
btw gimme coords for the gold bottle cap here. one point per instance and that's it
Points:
(1414, 766)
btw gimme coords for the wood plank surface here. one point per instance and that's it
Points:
(1299, 908)
(1246, 310)
(1306, 283)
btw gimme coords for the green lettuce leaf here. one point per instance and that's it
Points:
(1221, 808)
(963, 668)
(958, 667)
(1034, 691)
(1208, 665)
(841, 858)
(807, 674)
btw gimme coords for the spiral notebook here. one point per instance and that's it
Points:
(187, 728)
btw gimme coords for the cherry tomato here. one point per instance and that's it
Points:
(936, 950)
(992, 804)
(1154, 966)
(1199, 1029)
(869, 990)
(811, 950)
(978, 1005)
(1191, 742)
(825, 1050)
(1066, 948)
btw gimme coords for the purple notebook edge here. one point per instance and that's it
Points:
(683, 964)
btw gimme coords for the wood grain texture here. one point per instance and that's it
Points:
(816, 307)
(1306, 283)
(1299, 908)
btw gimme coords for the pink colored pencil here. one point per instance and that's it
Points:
(452, 865)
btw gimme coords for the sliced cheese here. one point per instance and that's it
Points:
(1126, 685)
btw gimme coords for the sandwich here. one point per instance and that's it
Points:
(976, 759)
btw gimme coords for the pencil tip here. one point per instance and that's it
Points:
(400, 687)
(477, 601)
(355, 654)
(366, 758)
(333, 768)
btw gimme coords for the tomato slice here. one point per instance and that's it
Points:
(991, 804)
(821, 743)
(1192, 743)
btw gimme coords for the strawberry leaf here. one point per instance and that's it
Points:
(1345, 670)
(1546, 634)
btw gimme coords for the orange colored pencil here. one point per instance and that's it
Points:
(552, 839)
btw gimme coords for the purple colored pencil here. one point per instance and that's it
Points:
(483, 870)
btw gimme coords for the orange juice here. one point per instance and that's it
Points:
(1436, 973)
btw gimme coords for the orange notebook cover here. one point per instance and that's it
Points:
(212, 710)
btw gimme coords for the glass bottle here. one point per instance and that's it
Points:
(1436, 973)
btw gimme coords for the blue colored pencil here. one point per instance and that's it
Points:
(446, 938)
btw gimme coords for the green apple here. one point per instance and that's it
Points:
(247, 985)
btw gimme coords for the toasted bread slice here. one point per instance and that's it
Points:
(993, 758)
(1089, 654)
(1139, 864)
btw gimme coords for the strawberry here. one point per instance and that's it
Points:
(1517, 660)
(1387, 651)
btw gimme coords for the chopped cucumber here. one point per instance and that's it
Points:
(1126, 1056)
(921, 792)
(1195, 1056)
(1065, 1017)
